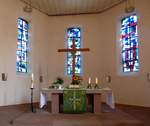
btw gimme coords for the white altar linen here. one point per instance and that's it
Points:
(110, 99)
(105, 91)
(43, 99)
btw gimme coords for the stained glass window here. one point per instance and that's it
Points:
(22, 46)
(129, 40)
(74, 33)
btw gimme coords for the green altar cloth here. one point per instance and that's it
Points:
(74, 101)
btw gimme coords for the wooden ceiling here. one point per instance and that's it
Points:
(71, 7)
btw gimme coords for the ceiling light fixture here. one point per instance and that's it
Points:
(28, 7)
(129, 6)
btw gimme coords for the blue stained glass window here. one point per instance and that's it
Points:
(22, 46)
(74, 33)
(129, 40)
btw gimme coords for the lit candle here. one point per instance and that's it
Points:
(32, 85)
(96, 80)
(32, 79)
(89, 80)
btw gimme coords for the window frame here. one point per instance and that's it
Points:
(66, 43)
(130, 48)
(26, 44)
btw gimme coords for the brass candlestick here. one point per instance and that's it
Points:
(89, 85)
(96, 86)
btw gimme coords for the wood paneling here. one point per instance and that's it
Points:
(66, 7)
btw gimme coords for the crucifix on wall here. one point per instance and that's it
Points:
(73, 50)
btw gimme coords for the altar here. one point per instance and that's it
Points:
(57, 95)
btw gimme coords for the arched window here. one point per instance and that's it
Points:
(22, 46)
(74, 33)
(129, 42)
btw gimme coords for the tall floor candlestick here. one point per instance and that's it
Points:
(32, 88)
(32, 108)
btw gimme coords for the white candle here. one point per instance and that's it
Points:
(89, 80)
(32, 85)
(32, 79)
(96, 80)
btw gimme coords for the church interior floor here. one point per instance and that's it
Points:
(121, 116)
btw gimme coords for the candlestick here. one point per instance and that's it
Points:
(32, 106)
(89, 80)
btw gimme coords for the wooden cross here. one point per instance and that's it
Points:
(73, 50)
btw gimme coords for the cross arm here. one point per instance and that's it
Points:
(73, 50)
(65, 50)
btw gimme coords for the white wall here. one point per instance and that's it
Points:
(90, 36)
(16, 89)
(134, 89)
(99, 33)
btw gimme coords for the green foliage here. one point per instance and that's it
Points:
(58, 80)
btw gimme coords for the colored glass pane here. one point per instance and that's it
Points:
(74, 33)
(129, 40)
(22, 46)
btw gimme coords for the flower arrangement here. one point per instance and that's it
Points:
(76, 80)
